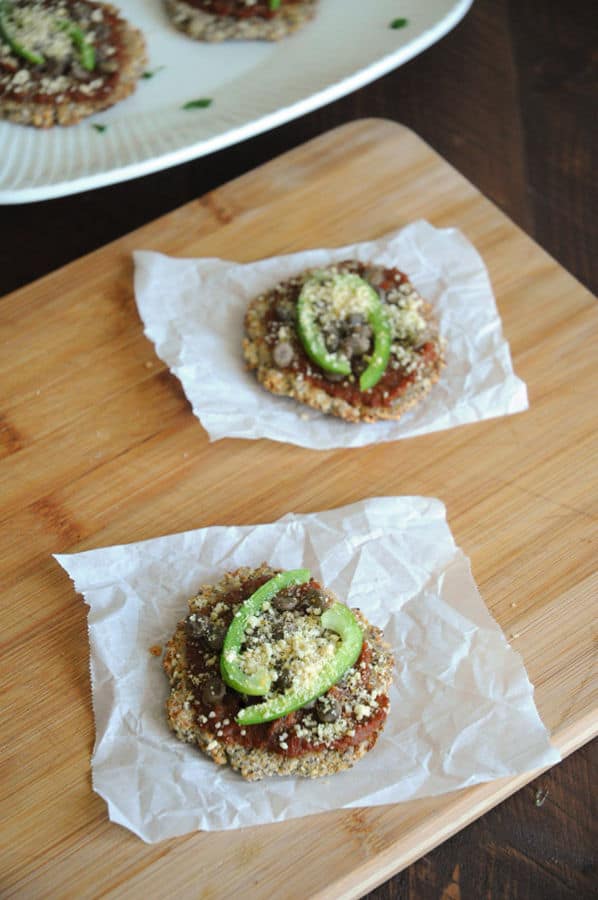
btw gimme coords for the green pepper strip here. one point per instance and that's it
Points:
(338, 618)
(378, 322)
(315, 346)
(13, 43)
(232, 673)
(311, 335)
(87, 53)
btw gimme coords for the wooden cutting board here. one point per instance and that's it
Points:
(99, 446)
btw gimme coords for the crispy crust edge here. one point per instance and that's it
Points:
(46, 115)
(204, 26)
(254, 763)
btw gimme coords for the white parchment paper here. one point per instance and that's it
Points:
(462, 708)
(193, 310)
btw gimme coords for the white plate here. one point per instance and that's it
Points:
(254, 86)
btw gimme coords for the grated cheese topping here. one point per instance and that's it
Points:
(34, 27)
(292, 646)
(336, 299)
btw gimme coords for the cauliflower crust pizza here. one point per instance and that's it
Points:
(220, 20)
(63, 60)
(353, 340)
(272, 675)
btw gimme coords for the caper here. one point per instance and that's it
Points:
(347, 347)
(359, 365)
(315, 598)
(199, 630)
(213, 691)
(284, 681)
(332, 341)
(375, 275)
(359, 341)
(215, 638)
(283, 354)
(324, 601)
(327, 709)
(285, 311)
(285, 601)
(356, 319)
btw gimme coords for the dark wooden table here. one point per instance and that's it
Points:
(510, 99)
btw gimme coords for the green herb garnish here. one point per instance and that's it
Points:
(98, 127)
(399, 23)
(202, 103)
(151, 72)
(273, 5)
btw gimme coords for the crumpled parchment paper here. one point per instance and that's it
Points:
(462, 708)
(193, 310)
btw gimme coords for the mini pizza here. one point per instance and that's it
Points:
(63, 60)
(272, 675)
(353, 340)
(221, 20)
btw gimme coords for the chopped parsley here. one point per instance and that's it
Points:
(399, 23)
(151, 72)
(202, 103)
(273, 4)
(98, 127)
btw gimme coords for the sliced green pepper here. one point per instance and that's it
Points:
(380, 326)
(343, 293)
(259, 683)
(340, 619)
(87, 53)
(14, 44)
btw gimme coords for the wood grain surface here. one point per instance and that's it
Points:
(99, 446)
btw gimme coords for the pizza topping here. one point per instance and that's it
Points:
(213, 691)
(249, 673)
(327, 709)
(87, 54)
(55, 48)
(312, 653)
(332, 302)
(201, 631)
(348, 714)
(283, 354)
(10, 32)
(355, 330)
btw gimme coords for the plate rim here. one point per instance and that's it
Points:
(237, 134)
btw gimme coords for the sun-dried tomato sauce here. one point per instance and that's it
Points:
(266, 736)
(238, 9)
(392, 385)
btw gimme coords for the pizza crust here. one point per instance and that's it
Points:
(255, 763)
(51, 111)
(307, 384)
(212, 27)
